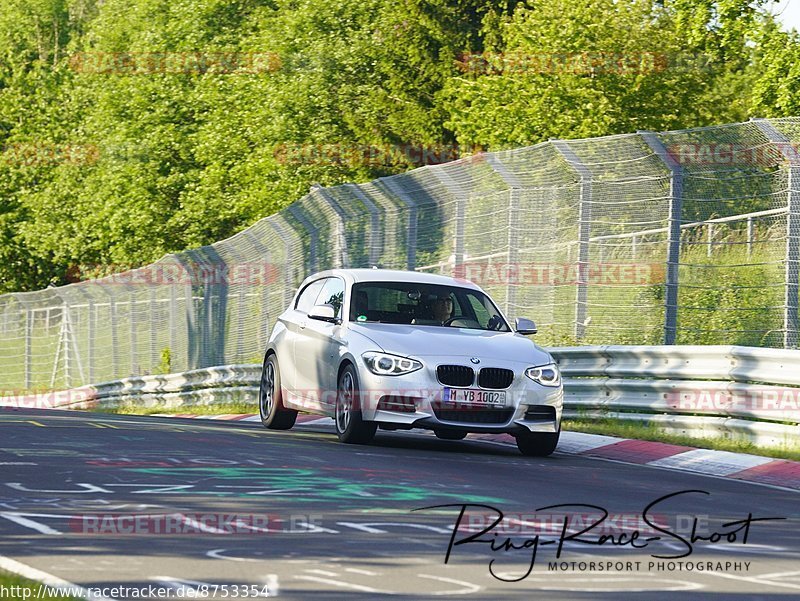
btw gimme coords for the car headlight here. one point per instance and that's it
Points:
(546, 375)
(384, 364)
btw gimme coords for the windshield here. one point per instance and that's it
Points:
(424, 304)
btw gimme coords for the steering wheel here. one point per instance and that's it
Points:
(494, 323)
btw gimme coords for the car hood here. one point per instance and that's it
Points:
(425, 341)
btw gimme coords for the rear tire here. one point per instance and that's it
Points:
(538, 444)
(351, 428)
(270, 398)
(450, 434)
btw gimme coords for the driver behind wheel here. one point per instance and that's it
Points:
(440, 310)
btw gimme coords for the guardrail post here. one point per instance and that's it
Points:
(514, 192)
(584, 230)
(674, 234)
(411, 242)
(785, 147)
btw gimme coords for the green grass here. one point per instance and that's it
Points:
(218, 409)
(645, 431)
(28, 589)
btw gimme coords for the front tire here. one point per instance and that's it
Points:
(270, 398)
(351, 428)
(538, 444)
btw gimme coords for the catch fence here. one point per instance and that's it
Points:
(683, 237)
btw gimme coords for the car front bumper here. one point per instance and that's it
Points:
(529, 407)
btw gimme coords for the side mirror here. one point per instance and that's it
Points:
(324, 312)
(525, 326)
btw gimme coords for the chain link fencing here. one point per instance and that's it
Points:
(685, 237)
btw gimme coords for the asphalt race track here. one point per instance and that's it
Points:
(109, 501)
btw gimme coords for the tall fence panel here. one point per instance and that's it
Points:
(683, 237)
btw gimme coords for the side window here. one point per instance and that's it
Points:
(309, 294)
(332, 293)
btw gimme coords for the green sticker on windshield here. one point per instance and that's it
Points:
(361, 318)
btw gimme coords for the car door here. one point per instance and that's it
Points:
(316, 350)
(295, 322)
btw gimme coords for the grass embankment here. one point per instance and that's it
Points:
(644, 431)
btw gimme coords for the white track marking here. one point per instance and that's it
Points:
(370, 527)
(468, 587)
(89, 488)
(362, 572)
(218, 554)
(19, 518)
(357, 587)
(648, 577)
(759, 580)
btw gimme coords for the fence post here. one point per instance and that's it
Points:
(266, 269)
(90, 325)
(460, 195)
(312, 233)
(341, 259)
(375, 248)
(784, 146)
(674, 235)
(28, 347)
(289, 279)
(514, 192)
(411, 245)
(584, 230)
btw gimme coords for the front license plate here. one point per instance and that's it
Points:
(475, 396)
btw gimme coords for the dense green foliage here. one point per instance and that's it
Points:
(108, 160)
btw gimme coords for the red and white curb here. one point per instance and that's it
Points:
(739, 466)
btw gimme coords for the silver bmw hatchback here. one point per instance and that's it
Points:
(376, 348)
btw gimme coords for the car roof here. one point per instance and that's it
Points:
(393, 275)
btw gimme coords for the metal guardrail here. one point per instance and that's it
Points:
(709, 391)
(715, 391)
